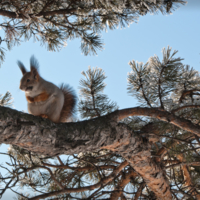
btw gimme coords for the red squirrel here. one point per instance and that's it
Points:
(44, 98)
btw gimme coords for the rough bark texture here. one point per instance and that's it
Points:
(44, 137)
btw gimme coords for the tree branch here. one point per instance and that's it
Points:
(80, 169)
(161, 115)
(45, 137)
(139, 192)
(185, 107)
(123, 182)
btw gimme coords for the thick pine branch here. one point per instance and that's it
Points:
(44, 137)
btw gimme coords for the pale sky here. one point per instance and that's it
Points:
(181, 31)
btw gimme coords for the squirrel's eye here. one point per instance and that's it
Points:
(28, 80)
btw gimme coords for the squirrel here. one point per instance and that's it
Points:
(44, 98)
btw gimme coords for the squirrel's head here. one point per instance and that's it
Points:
(30, 80)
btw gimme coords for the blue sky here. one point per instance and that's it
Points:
(181, 31)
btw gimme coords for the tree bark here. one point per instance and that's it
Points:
(45, 137)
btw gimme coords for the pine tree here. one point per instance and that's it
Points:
(54, 22)
(155, 156)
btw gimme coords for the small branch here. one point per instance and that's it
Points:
(188, 92)
(53, 177)
(184, 163)
(143, 93)
(80, 169)
(122, 183)
(139, 192)
(185, 107)
(6, 187)
(61, 162)
(82, 189)
(160, 89)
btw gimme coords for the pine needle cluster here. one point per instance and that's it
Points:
(5, 100)
(53, 23)
(93, 103)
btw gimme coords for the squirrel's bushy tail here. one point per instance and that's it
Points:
(69, 103)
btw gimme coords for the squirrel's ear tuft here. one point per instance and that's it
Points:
(21, 66)
(34, 67)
